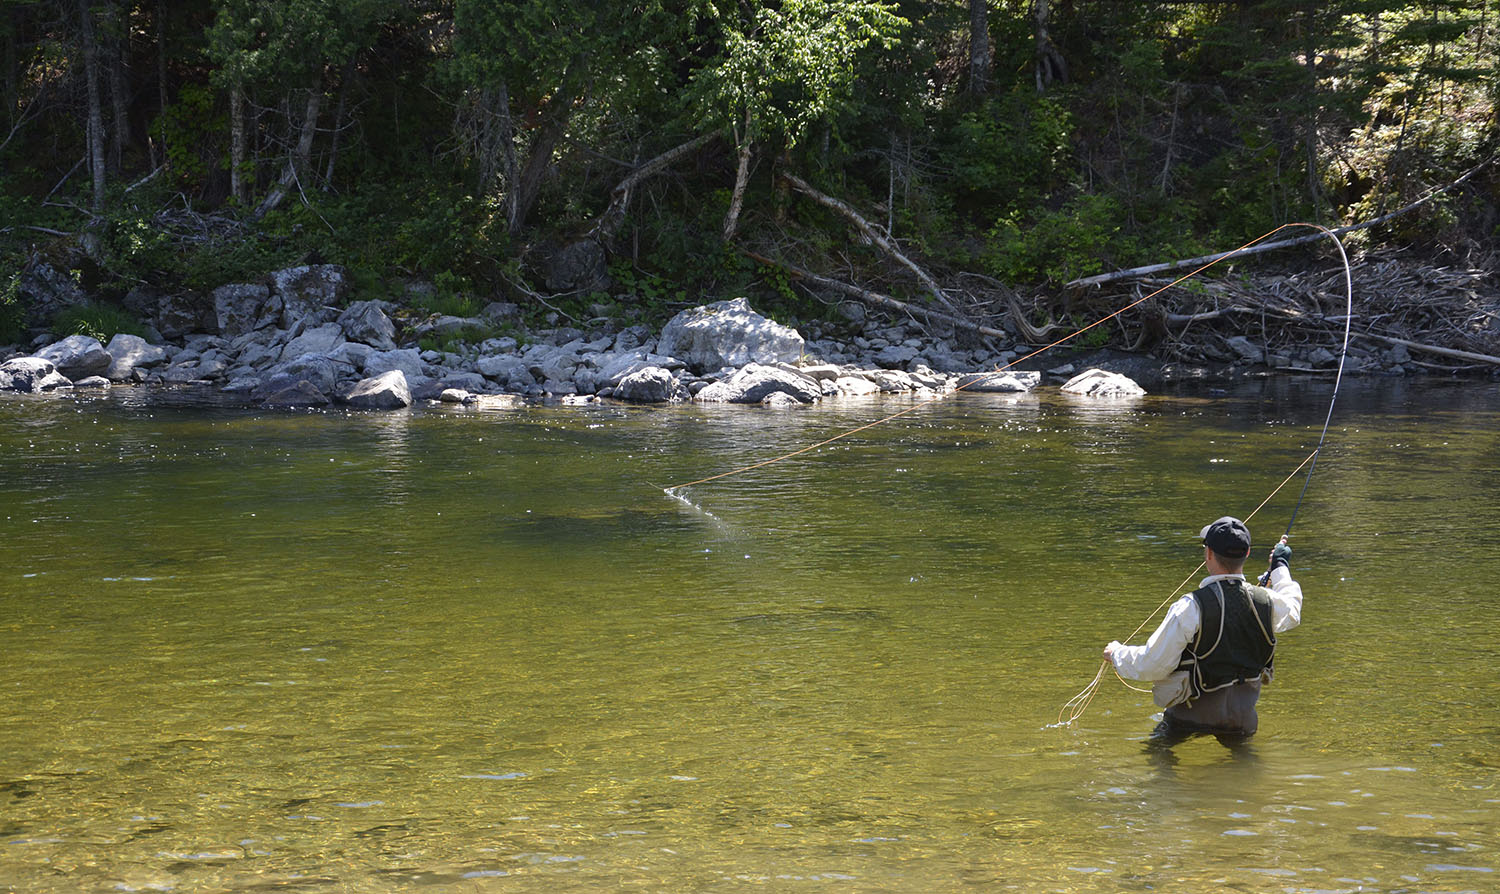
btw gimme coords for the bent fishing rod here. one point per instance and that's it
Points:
(1075, 707)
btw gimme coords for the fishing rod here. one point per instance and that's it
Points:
(1075, 707)
(1337, 379)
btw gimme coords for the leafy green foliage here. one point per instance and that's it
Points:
(12, 314)
(456, 139)
(96, 320)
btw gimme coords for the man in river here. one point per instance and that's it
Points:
(1213, 651)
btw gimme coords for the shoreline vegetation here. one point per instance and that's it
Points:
(919, 189)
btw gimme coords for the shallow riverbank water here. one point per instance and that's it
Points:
(483, 651)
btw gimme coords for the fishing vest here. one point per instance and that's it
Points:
(1236, 639)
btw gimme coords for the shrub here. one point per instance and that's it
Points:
(97, 321)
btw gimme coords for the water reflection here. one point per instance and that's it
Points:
(477, 650)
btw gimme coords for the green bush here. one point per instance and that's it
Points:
(12, 315)
(97, 321)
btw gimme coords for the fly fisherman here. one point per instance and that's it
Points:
(1213, 651)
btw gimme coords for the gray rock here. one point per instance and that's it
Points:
(239, 308)
(44, 290)
(751, 384)
(893, 381)
(130, 351)
(501, 312)
(895, 356)
(1100, 383)
(467, 381)
(856, 386)
(780, 400)
(309, 293)
(822, 371)
(728, 333)
(31, 375)
(454, 396)
(368, 323)
(632, 337)
(507, 369)
(320, 370)
(92, 382)
(182, 373)
(295, 393)
(999, 382)
(259, 356)
(387, 391)
(651, 385)
(408, 360)
(1321, 357)
(324, 339)
(77, 356)
(1246, 349)
(577, 267)
(555, 365)
(353, 353)
(242, 384)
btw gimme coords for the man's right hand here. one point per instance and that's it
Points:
(1281, 556)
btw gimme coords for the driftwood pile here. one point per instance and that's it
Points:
(1451, 316)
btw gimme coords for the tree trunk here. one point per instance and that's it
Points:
(237, 142)
(741, 178)
(1314, 190)
(737, 198)
(300, 156)
(526, 185)
(119, 85)
(96, 112)
(608, 223)
(981, 56)
(338, 119)
(1050, 66)
(159, 153)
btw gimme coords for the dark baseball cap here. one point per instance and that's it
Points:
(1228, 537)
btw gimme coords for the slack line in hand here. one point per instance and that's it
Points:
(1214, 650)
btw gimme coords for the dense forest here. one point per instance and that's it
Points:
(594, 157)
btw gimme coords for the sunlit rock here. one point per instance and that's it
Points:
(1101, 383)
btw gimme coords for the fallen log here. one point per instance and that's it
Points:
(1135, 272)
(876, 299)
(1432, 349)
(869, 231)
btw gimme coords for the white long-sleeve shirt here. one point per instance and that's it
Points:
(1159, 656)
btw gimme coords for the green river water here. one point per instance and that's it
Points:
(482, 651)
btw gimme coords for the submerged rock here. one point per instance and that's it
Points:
(1101, 383)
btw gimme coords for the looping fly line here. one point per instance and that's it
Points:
(671, 490)
(1075, 707)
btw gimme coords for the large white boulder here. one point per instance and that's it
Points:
(77, 356)
(652, 385)
(1009, 381)
(751, 385)
(387, 391)
(728, 333)
(31, 375)
(127, 352)
(1102, 383)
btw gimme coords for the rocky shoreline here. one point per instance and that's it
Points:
(294, 340)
